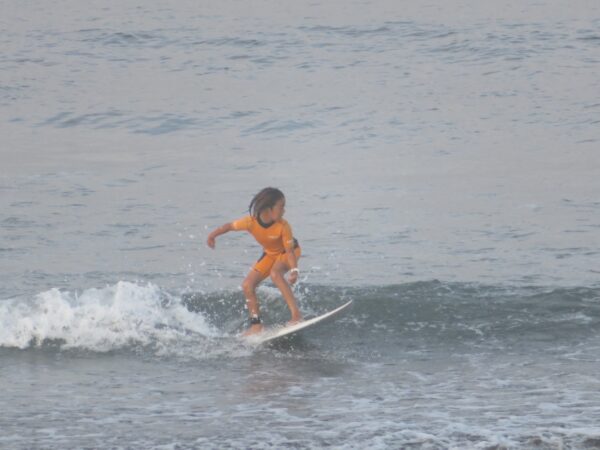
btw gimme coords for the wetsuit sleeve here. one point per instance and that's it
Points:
(287, 236)
(242, 224)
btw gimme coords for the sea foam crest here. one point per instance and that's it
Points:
(123, 315)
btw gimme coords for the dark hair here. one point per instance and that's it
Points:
(265, 199)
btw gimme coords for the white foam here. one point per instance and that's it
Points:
(125, 314)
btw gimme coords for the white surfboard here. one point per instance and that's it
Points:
(277, 332)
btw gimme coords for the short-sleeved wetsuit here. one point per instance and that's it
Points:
(274, 237)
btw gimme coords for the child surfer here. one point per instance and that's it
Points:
(280, 251)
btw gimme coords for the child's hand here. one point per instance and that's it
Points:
(210, 242)
(293, 277)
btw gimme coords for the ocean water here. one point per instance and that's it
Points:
(440, 163)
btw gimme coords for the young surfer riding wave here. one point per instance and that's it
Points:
(280, 252)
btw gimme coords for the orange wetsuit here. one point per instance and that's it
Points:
(273, 237)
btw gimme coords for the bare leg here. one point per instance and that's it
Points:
(249, 285)
(278, 276)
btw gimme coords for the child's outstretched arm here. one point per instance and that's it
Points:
(210, 241)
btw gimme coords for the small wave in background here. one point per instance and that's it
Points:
(389, 320)
(125, 316)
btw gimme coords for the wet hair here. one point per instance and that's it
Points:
(265, 199)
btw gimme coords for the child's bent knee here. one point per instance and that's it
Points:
(247, 287)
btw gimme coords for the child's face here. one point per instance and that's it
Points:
(278, 210)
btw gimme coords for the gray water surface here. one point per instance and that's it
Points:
(414, 142)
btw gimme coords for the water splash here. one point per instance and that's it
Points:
(120, 316)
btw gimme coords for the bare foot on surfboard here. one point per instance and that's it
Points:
(254, 329)
(294, 320)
